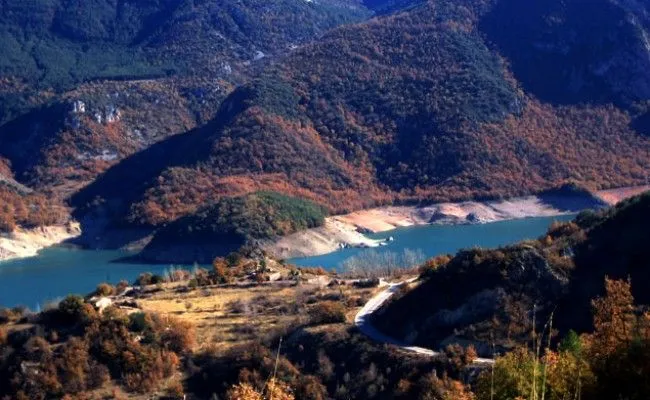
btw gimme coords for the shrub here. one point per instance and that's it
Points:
(327, 312)
(9, 315)
(147, 278)
(221, 272)
(240, 306)
(144, 279)
(175, 390)
(105, 289)
(177, 335)
(74, 366)
(121, 287)
(150, 369)
(367, 283)
(243, 391)
(74, 310)
(139, 321)
(460, 357)
(434, 263)
(177, 275)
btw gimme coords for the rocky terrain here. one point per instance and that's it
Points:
(23, 243)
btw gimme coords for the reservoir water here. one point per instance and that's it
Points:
(56, 272)
(433, 240)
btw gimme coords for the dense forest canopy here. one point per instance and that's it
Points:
(232, 223)
(416, 107)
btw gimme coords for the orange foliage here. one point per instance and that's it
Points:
(615, 322)
(29, 211)
(400, 120)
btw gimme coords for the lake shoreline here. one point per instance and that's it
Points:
(57, 271)
(350, 230)
(25, 243)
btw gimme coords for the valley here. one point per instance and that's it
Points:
(338, 107)
(324, 200)
(235, 324)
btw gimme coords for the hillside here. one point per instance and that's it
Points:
(487, 296)
(84, 85)
(59, 44)
(425, 102)
(290, 331)
(230, 224)
(411, 107)
(66, 62)
(20, 206)
(27, 210)
(562, 55)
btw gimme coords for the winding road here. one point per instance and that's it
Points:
(362, 321)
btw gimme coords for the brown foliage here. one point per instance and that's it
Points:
(434, 263)
(327, 312)
(29, 211)
(275, 389)
(614, 319)
(430, 387)
(221, 271)
(177, 336)
(95, 349)
(459, 356)
(105, 289)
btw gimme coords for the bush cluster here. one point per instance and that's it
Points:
(72, 349)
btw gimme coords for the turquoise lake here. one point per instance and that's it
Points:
(434, 240)
(57, 272)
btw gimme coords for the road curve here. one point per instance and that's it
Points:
(362, 321)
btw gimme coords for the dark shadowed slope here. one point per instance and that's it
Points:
(482, 296)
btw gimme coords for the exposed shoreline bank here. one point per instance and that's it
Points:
(23, 243)
(350, 229)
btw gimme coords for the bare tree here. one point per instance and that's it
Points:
(375, 264)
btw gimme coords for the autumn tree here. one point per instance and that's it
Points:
(614, 319)
(619, 348)
(274, 390)
(221, 272)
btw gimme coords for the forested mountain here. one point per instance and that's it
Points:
(425, 101)
(562, 54)
(61, 43)
(85, 84)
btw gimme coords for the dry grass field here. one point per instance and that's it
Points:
(227, 316)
